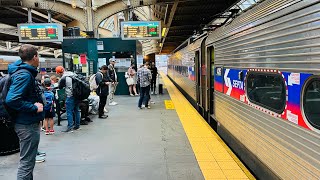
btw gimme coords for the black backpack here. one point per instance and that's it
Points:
(80, 88)
(6, 113)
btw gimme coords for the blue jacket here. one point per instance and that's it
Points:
(23, 94)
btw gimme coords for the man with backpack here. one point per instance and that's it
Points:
(72, 104)
(25, 102)
(102, 80)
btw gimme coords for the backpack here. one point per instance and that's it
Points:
(80, 88)
(49, 100)
(7, 113)
(93, 83)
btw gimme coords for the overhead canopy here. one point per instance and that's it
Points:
(185, 17)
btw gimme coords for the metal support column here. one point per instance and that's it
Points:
(90, 19)
(49, 17)
(29, 15)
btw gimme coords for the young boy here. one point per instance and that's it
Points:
(48, 108)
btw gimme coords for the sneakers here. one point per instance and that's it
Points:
(51, 131)
(41, 154)
(68, 130)
(137, 94)
(105, 110)
(113, 103)
(149, 107)
(77, 128)
(131, 95)
(143, 106)
(42, 129)
(103, 117)
(40, 159)
(47, 133)
(84, 122)
(152, 93)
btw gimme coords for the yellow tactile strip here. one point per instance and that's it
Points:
(215, 159)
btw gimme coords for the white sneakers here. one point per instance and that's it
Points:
(131, 95)
(105, 110)
(113, 103)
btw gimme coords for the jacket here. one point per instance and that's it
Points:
(112, 73)
(66, 82)
(23, 93)
(103, 88)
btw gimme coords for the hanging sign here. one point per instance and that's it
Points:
(83, 59)
(76, 59)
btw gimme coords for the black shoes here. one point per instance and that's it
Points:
(82, 122)
(103, 117)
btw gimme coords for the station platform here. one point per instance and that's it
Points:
(169, 141)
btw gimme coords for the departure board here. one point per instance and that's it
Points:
(136, 30)
(40, 32)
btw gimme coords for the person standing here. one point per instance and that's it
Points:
(103, 82)
(72, 105)
(144, 79)
(132, 74)
(114, 81)
(26, 99)
(154, 72)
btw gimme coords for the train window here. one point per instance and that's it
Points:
(267, 90)
(311, 102)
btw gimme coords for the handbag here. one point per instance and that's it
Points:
(130, 81)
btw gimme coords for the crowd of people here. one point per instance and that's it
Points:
(35, 101)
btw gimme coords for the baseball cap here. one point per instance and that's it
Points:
(59, 69)
(47, 82)
(112, 60)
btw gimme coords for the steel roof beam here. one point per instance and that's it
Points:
(173, 10)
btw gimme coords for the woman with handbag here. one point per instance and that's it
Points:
(131, 80)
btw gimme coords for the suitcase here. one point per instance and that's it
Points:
(160, 89)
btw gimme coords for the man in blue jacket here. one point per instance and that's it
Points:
(24, 97)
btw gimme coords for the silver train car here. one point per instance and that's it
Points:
(256, 80)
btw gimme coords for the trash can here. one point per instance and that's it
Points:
(9, 141)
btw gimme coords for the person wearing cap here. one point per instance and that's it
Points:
(113, 85)
(72, 105)
(49, 112)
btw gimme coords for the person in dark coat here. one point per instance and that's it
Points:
(103, 82)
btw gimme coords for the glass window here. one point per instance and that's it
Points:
(311, 102)
(267, 90)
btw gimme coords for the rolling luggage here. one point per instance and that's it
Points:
(160, 89)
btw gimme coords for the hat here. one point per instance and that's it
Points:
(59, 69)
(112, 60)
(47, 82)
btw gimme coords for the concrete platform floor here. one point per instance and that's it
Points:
(130, 144)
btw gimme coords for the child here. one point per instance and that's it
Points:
(48, 108)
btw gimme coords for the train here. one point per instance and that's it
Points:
(256, 81)
(47, 64)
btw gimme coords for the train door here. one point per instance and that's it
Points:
(210, 73)
(198, 80)
(203, 81)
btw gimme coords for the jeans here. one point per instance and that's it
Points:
(112, 90)
(72, 107)
(153, 84)
(144, 96)
(102, 103)
(29, 137)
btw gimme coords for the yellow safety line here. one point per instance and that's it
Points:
(214, 157)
